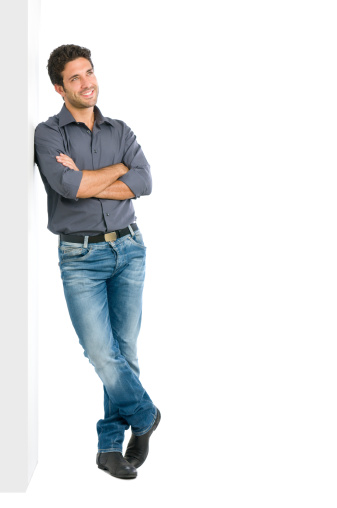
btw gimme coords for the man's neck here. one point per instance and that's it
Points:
(85, 115)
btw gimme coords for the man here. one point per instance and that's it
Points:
(92, 167)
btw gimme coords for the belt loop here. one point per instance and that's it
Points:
(131, 230)
(85, 245)
(59, 240)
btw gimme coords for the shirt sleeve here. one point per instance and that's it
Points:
(138, 178)
(48, 144)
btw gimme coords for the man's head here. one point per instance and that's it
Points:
(72, 73)
(61, 56)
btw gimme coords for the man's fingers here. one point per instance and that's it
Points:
(63, 156)
(66, 161)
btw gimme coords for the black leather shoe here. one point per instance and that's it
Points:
(138, 447)
(115, 464)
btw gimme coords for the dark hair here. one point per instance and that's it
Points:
(61, 56)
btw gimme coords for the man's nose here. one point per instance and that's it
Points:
(85, 82)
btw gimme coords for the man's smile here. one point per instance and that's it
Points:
(88, 93)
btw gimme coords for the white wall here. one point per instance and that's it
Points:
(18, 358)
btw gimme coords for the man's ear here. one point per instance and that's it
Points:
(59, 89)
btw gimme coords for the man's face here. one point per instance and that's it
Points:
(80, 87)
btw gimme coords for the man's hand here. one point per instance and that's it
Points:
(66, 161)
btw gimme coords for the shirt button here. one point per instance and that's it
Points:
(88, 132)
(95, 151)
(108, 214)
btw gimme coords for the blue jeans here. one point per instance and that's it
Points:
(103, 286)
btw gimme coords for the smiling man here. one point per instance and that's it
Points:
(92, 167)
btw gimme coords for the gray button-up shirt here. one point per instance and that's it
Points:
(110, 142)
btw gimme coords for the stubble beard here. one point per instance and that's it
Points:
(79, 103)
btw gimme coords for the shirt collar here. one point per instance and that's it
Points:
(66, 117)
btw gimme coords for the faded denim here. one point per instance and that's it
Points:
(103, 286)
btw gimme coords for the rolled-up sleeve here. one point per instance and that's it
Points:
(138, 178)
(49, 144)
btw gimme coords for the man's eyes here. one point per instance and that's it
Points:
(76, 77)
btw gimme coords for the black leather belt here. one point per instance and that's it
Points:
(108, 237)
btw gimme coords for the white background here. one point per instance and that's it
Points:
(234, 104)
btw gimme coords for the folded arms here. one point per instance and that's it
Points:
(101, 183)
(128, 179)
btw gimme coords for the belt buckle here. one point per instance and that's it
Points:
(110, 237)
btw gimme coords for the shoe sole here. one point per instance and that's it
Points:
(106, 470)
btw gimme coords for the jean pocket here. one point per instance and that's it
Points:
(72, 252)
(137, 239)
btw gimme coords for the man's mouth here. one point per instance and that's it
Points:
(88, 93)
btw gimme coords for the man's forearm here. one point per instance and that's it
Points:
(117, 190)
(95, 182)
